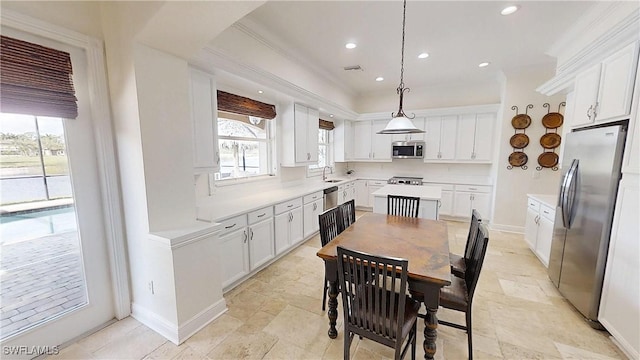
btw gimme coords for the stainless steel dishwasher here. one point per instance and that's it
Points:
(330, 198)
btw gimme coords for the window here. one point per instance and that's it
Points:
(245, 145)
(324, 152)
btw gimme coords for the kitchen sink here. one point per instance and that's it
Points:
(332, 181)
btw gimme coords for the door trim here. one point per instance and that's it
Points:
(104, 140)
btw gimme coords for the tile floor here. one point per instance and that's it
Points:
(276, 314)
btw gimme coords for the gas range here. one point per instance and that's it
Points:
(401, 180)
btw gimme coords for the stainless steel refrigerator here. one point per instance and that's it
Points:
(586, 201)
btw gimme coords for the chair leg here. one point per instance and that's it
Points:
(469, 336)
(413, 344)
(347, 343)
(324, 293)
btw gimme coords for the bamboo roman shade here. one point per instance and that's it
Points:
(245, 106)
(326, 125)
(36, 80)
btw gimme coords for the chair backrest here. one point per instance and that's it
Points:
(472, 274)
(369, 309)
(476, 219)
(347, 214)
(403, 205)
(329, 222)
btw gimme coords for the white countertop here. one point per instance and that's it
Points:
(548, 199)
(217, 208)
(423, 192)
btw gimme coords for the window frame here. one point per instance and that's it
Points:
(317, 171)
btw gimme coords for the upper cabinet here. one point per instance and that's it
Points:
(343, 141)
(367, 144)
(440, 138)
(474, 140)
(419, 123)
(299, 135)
(204, 117)
(604, 91)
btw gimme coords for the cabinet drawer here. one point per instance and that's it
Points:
(444, 187)
(474, 188)
(287, 205)
(547, 212)
(313, 197)
(533, 204)
(233, 224)
(261, 214)
(377, 183)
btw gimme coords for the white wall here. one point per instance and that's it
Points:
(473, 173)
(510, 201)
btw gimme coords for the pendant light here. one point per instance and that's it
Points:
(400, 122)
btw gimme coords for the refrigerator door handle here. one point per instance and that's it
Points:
(568, 193)
(563, 192)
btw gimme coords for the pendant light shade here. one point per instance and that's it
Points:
(401, 123)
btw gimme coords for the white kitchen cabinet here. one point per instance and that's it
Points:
(289, 224)
(362, 193)
(204, 117)
(469, 197)
(604, 91)
(351, 191)
(539, 228)
(311, 211)
(440, 138)
(474, 141)
(342, 194)
(362, 140)
(620, 301)
(299, 135)
(343, 141)
(374, 185)
(368, 145)
(260, 233)
(234, 245)
(419, 123)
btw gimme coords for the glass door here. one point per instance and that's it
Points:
(54, 268)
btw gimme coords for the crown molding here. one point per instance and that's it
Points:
(620, 35)
(223, 61)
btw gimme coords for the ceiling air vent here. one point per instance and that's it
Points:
(352, 67)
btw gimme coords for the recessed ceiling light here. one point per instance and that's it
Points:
(260, 91)
(509, 10)
(350, 46)
(379, 78)
(330, 115)
(423, 56)
(483, 64)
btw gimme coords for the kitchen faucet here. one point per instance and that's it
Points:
(324, 177)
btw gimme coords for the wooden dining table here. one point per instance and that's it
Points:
(424, 243)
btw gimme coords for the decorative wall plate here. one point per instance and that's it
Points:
(519, 141)
(550, 140)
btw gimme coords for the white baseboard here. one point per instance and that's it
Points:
(201, 320)
(178, 334)
(156, 323)
(507, 228)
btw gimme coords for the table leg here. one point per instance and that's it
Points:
(430, 332)
(333, 308)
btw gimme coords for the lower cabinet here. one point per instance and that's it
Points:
(288, 224)
(538, 231)
(311, 211)
(234, 250)
(261, 247)
(469, 197)
(374, 185)
(362, 193)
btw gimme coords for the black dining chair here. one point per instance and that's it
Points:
(347, 214)
(459, 262)
(459, 295)
(370, 309)
(330, 227)
(403, 205)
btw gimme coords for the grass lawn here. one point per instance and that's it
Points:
(55, 165)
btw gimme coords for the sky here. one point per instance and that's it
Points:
(19, 124)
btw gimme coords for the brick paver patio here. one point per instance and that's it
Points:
(39, 279)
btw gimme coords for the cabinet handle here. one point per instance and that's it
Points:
(315, 197)
(263, 214)
(439, 204)
(218, 157)
(230, 226)
(374, 155)
(589, 111)
(314, 206)
(245, 236)
(290, 205)
(545, 211)
(473, 188)
(251, 232)
(290, 217)
(595, 110)
(439, 155)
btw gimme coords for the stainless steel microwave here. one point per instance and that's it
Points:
(407, 149)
